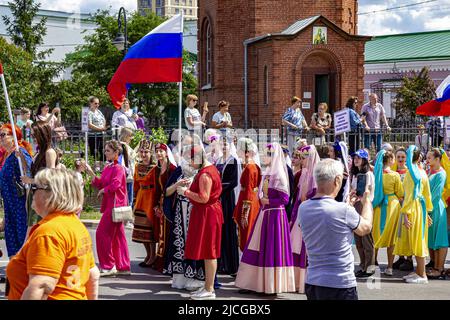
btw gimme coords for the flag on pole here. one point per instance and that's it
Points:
(11, 118)
(441, 105)
(157, 57)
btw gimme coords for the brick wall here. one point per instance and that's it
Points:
(235, 21)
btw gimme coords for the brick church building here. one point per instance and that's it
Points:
(275, 50)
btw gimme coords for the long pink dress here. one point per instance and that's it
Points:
(112, 246)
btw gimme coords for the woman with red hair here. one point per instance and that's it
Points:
(12, 190)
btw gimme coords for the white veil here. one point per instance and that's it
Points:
(277, 170)
(233, 155)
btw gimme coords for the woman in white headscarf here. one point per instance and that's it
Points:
(230, 170)
(267, 264)
(306, 189)
(211, 144)
(247, 207)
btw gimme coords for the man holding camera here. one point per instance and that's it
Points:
(328, 228)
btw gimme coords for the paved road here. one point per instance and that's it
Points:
(146, 284)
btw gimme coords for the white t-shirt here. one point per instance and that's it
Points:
(194, 114)
(123, 120)
(219, 118)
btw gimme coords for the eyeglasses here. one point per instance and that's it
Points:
(35, 187)
(3, 134)
(195, 100)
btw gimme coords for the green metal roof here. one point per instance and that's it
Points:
(434, 45)
(299, 25)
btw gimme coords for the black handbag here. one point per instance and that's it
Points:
(20, 188)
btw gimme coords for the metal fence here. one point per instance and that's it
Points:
(74, 146)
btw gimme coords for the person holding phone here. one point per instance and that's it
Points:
(363, 179)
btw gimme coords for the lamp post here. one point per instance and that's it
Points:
(121, 41)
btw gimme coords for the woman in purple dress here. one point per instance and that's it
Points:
(267, 263)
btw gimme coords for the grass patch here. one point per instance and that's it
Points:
(89, 214)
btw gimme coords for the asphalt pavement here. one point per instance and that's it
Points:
(147, 284)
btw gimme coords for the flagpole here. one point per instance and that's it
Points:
(11, 118)
(180, 86)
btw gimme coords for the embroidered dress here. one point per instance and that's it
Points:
(144, 188)
(267, 264)
(177, 210)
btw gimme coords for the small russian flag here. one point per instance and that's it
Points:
(441, 105)
(157, 57)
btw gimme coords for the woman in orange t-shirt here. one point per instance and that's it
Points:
(56, 262)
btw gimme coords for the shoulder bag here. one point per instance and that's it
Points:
(122, 214)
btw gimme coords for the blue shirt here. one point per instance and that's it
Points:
(327, 227)
(355, 121)
(295, 117)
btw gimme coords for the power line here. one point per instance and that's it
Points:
(398, 7)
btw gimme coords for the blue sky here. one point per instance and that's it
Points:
(427, 16)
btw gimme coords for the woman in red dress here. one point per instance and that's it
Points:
(247, 207)
(205, 223)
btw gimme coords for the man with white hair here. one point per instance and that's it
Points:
(327, 227)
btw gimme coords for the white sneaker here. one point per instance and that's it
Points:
(411, 275)
(194, 284)
(124, 272)
(417, 279)
(108, 273)
(178, 281)
(388, 272)
(203, 295)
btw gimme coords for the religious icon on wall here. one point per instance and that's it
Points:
(319, 35)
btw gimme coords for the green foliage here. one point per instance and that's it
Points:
(159, 136)
(29, 78)
(95, 62)
(21, 29)
(137, 137)
(416, 90)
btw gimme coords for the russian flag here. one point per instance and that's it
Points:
(441, 105)
(157, 57)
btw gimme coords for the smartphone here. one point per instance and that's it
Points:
(361, 182)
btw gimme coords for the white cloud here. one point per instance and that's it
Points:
(429, 16)
(85, 6)
(438, 24)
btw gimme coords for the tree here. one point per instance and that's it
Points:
(28, 83)
(416, 89)
(97, 60)
(18, 72)
(21, 29)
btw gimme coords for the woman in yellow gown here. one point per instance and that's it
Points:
(386, 204)
(412, 236)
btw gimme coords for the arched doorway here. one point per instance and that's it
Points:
(319, 82)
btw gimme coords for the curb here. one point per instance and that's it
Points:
(94, 224)
(90, 223)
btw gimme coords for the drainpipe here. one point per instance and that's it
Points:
(246, 43)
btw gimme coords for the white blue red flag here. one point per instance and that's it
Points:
(439, 106)
(157, 57)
